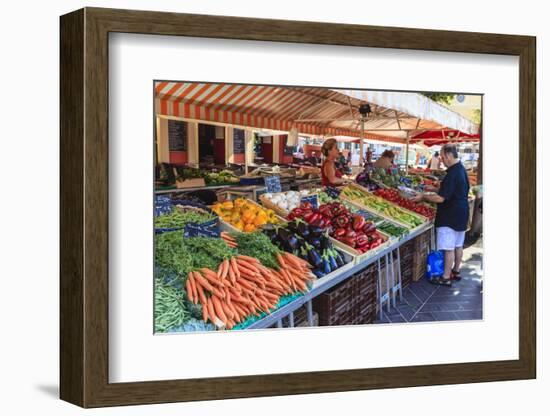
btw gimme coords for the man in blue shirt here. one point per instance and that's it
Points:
(451, 219)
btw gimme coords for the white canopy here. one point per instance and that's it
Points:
(398, 114)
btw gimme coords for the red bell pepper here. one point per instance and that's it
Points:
(309, 216)
(358, 222)
(349, 241)
(361, 240)
(342, 220)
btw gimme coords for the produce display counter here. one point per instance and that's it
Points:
(327, 282)
(197, 188)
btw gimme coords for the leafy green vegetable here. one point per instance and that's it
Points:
(258, 245)
(181, 255)
(181, 216)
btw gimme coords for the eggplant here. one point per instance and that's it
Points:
(303, 229)
(301, 241)
(292, 242)
(326, 266)
(316, 231)
(340, 260)
(332, 260)
(293, 227)
(325, 242)
(284, 234)
(313, 257)
(315, 242)
(318, 272)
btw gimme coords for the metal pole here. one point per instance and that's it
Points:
(379, 290)
(407, 155)
(388, 289)
(361, 141)
(309, 311)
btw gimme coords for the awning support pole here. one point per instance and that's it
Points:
(407, 155)
(361, 144)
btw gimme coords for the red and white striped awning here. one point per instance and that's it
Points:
(314, 111)
(264, 107)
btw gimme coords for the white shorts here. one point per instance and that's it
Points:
(449, 239)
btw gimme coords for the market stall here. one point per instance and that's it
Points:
(241, 245)
(239, 265)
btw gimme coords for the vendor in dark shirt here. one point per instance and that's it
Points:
(451, 219)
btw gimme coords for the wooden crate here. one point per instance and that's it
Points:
(380, 214)
(351, 302)
(191, 183)
(361, 257)
(420, 255)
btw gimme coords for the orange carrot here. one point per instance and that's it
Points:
(235, 291)
(231, 274)
(214, 281)
(273, 284)
(194, 287)
(211, 276)
(203, 282)
(225, 268)
(211, 312)
(281, 260)
(251, 259)
(289, 258)
(247, 276)
(218, 292)
(219, 271)
(218, 309)
(227, 310)
(200, 293)
(233, 262)
(204, 313)
(298, 260)
(226, 236)
(287, 278)
(188, 289)
(247, 267)
(236, 315)
(240, 311)
(246, 284)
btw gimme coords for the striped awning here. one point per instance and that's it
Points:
(314, 111)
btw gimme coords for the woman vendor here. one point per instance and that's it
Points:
(330, 174)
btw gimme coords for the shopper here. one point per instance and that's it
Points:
(313, 159)
(342, 164)
(385, 161)
(369, 155)
(451, 219)
(435, 162)
(330, 174)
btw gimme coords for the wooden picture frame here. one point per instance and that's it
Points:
(84, 207)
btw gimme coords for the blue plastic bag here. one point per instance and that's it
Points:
(435, 264)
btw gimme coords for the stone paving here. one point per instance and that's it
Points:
(425, 302)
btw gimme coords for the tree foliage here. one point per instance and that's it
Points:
(440, 97)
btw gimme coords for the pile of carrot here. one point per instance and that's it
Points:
(230, 241)
(242, 286)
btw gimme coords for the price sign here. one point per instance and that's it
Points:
(312, 199)
(177, 135)
(273, 184)
(238, 141)
(200, 230)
